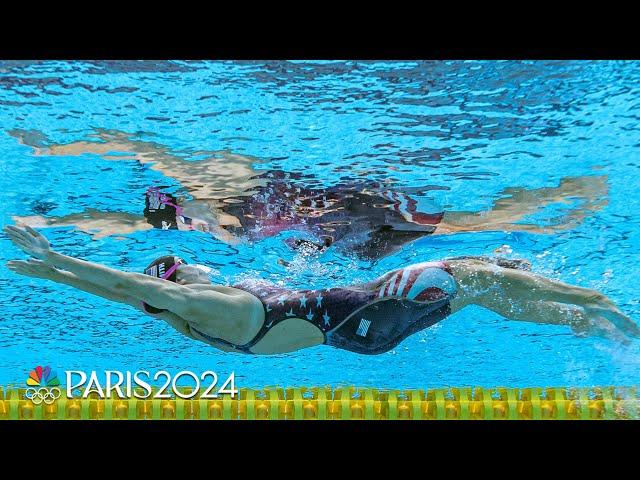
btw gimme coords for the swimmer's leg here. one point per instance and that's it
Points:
(521, 295)
(519, 202)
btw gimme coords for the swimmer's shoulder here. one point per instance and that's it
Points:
(216, 288)
(241, 299)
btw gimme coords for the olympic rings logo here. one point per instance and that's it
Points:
(43, 394)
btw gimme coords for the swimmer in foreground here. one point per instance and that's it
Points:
(255, 317)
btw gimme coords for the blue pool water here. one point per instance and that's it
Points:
(465, 130)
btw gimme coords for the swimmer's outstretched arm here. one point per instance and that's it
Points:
(183, 301)
(524, 296)
(94, 278)
(507, 212)
(38, 269)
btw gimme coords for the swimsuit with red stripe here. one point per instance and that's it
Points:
(370, 318)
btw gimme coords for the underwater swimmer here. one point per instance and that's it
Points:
(367, 219)
(234, 202)
(256, 317)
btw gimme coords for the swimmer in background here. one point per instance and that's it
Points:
(256, 317)
(232, 202)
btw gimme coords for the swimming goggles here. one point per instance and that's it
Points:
(165, 200)
(166, 276)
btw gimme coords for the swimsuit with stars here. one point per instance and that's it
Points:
(371, 318)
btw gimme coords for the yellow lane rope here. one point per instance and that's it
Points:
(345, 403)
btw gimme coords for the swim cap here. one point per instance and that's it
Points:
(164, 268)
(160, 209)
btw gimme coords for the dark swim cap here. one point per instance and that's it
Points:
(164, 268)
(160, 209)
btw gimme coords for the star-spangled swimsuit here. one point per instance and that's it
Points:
(371, 318)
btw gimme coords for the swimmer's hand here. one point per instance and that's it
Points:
(29, 241)
(33, 268)
(603, 318)
(611, 316)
